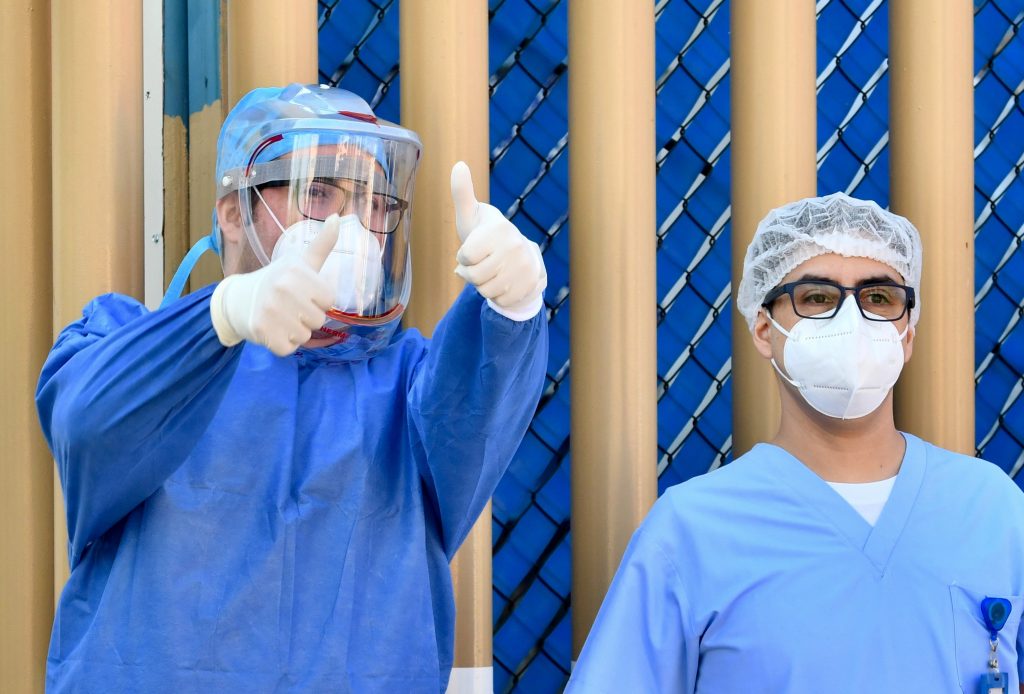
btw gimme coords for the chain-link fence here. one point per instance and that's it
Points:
(693, 272)
(853, 98)
(358, 44)
(529, 182)
(999, 232)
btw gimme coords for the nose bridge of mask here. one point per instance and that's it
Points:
(355, 239)
(847, 318)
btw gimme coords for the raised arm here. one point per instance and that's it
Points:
(473, 398)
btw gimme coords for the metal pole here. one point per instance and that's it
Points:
(773, 162)
(445, 100)
(26, 475)
(932, 184)
(612, 265)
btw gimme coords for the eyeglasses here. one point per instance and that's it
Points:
(319, 198)
(820, 299)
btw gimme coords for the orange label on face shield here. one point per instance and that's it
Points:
(333, 333)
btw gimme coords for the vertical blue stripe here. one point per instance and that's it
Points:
(203, 54)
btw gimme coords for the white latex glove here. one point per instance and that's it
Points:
(506, 267)
(280, 305)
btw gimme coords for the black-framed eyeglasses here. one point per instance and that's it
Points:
(821, 299)
(320, 198)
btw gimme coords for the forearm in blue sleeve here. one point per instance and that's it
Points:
(122, 399)
(470, 404)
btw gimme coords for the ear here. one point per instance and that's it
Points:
(229, 218)
(908, 343)
(762, 334)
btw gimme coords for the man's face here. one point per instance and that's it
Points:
(848, 272)
(274, 208)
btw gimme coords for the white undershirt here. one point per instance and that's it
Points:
(867, 498)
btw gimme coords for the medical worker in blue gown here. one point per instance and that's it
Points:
(843, 556)
(265, 480)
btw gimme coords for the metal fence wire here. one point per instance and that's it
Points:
(529, 182)
(999, 232)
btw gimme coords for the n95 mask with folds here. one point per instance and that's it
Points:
(353, 268)
(843, 366)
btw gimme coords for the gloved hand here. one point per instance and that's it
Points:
(280, 305)
(506, 267)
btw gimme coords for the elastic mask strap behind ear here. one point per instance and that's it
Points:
(772, 321)
(790, 381)
(775, 365)
(207, 243)
(272, 215)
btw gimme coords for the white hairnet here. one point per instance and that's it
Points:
(836, 223)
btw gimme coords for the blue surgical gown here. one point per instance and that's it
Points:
(241, 522)
(758, 577)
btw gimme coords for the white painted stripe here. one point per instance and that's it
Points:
(153, 151)
(471, 680)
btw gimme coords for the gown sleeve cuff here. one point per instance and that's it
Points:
(520, 313)
(225, 333)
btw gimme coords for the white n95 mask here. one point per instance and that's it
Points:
(843, 366)
(353, 267)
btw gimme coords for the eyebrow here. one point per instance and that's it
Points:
(877, 279)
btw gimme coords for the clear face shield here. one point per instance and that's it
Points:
(295, 181)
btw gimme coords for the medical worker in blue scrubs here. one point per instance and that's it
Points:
(843, 556)
(265, 480)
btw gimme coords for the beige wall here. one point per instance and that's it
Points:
(26, 471)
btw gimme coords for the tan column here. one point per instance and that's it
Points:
(773, 162)
(270, 44)
(26, 474)
(932, 184)
(445, 100)
(612, 266)
(97, 172)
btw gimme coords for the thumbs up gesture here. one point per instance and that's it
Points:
(504, 266)
(280, 305)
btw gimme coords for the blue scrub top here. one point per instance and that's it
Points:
(759, 577)
(241, 522)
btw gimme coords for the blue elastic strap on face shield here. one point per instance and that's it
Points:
(207, 243)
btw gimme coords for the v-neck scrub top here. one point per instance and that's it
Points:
(759, 577)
